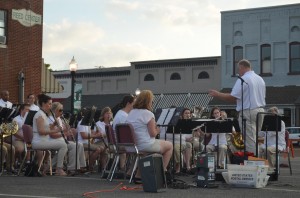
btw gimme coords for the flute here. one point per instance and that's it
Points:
(61, 131)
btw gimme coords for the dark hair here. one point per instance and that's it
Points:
(43, 98)
(31, 94)
(182, 113)
(126, 99)
(211, 114)
(22, 106)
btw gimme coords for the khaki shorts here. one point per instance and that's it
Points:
(154, 148)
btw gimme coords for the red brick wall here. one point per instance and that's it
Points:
(23, 51)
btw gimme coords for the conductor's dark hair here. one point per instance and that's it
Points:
(43, 98)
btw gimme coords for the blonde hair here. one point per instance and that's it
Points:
(273, 110)
(103, 112)
(144, 100)
(56, 105)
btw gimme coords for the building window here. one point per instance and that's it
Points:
(295, 29)
(237, 56)
(295, 57)
(3, 19)
(265, 58)
(175, 76)
(149, 77)
(203, 75)
(238, 33)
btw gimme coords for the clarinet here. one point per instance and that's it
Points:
(68, 127)
(61, 131)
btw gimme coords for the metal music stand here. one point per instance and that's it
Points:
(219, 126)
(271, 122)
(87, 120)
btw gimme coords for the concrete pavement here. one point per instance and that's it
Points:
(55, 186)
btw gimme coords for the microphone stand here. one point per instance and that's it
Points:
(243, 119)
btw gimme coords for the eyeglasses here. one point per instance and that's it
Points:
(60, 110)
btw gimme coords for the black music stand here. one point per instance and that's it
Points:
(219, 126)
(271, 122)
(87, 120)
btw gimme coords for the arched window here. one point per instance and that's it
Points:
(149, 77)
(175, 76)
(203, 75)
(238, 33)
(295, 29)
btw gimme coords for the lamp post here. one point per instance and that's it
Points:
(73, 67)
(137, 91)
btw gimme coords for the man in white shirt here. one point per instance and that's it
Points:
(248, 106)
(4, 100)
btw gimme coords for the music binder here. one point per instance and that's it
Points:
(271, 123)
(29, 117)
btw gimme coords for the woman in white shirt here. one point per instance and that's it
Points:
(145, 129)
(41, 131)
(57, 109)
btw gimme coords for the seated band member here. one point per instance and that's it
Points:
(41, 131)
(105, 119)
(145, 129)
(213, 143)
(57, 109)
(186, 146)
(31, 102)
(18, 138)
(126, 106)
(270, 141)
(6, 157)
(85, 134)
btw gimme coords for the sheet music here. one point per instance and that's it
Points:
(162, 116)
(170, 115)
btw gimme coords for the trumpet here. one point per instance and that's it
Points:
(61, 131)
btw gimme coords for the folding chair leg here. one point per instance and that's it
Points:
(111, 168)
(23, 161)
(134, 168)
(40, 164)
(289, 159)
(115, 166)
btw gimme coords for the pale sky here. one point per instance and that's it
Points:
(113, 33)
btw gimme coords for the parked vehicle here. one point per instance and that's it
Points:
(294, 134)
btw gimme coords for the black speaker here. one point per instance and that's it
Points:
(153, 174)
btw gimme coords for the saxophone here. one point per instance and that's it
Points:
(8, 129)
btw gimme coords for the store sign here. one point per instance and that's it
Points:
(27, 17)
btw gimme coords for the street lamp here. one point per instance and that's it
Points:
(73, 67)
(137, 91)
